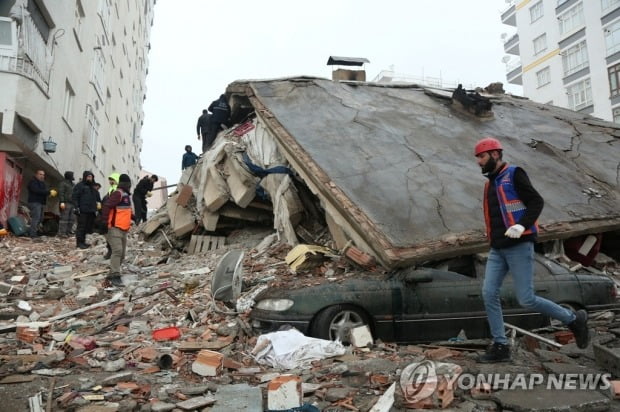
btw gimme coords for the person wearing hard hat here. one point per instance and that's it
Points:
(37, 198)
(65, 192)
(511, 210)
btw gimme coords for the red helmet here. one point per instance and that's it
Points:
(486, 144)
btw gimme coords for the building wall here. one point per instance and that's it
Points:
(593, 30)
(83, 85)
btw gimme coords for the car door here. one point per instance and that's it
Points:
(440, 308)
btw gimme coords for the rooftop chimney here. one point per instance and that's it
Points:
(347, 74)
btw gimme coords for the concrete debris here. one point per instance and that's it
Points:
(102, 344)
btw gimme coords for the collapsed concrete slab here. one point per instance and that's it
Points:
(393, 166)
(390, 168)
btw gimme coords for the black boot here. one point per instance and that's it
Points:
(497, 352)
(579, 327)
(115, 280)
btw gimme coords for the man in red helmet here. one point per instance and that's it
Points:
(511, 210)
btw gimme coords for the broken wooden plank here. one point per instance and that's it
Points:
(528, 333)
(17, 379)
(113, 299)
(198, 345)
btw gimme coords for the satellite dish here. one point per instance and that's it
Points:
(505, 59)
(228, 277)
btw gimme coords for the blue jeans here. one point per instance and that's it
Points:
(519, 260)
(36, 215)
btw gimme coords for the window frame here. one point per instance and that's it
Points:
(545, 75)
(537, 11)
(575, 16)
(611, 32)
(69, 98)
(575, 58)
(540, 39)
(613, 76)
(579, 94)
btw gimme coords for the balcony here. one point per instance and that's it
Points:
(29, 59)
(509, 16)
(514, 73)
(511, 46)
(23, 66)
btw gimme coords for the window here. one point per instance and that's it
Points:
(68, 102)
(98, 77)
(579, 95)
(607, 5)
(571, 20)
(616, 114)
(543, 76)
(92, 133)
(79, 20)
(575, 58)
(612, 38)
(8, 42)
(39, 20)
(105, 14)
(540, 43)
(614, 80)
(536, 11)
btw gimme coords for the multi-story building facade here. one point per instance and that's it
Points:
(72, 86)
(566, 53)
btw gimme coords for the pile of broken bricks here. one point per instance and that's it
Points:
(163, 343)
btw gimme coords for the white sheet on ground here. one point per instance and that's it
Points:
(291, 349)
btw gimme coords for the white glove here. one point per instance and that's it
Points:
(514, 231)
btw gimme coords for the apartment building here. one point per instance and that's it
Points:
(566, 53)
(72, 87)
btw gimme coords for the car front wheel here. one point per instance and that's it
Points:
(336, 322)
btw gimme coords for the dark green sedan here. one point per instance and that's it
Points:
(424, 304)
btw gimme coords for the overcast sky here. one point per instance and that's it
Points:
(198, 47)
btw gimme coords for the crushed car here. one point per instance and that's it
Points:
(423, 304)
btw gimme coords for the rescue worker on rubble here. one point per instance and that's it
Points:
(220, 115)
(189, 158)
(65, 192)
(511, 210)
(101, 224)
(201, 128)
(142, 191)
(117, 213)
(85, 202)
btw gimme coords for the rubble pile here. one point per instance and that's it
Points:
(71, 342)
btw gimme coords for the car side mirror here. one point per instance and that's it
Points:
(418, 277)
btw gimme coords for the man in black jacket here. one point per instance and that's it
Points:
(140, 193)
(201, 129)
(85, 202)
(220, 110)
(37, 197)
(511, 210)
